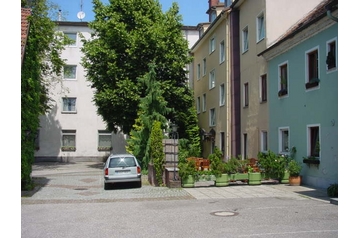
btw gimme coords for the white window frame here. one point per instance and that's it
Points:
(204, 102)
(222, 52)
(264, 141)
(260, 26)
(309, 139)
(212, 117)
(245, 39)
(261, 88)
(287, 78)
(72, 68)
(307, 78)
(198, 105)
(67, 105)
(71, 133)
(204, 66)
(328, 43)
(104, 133)
(198, 71)
(212, 79)
(212, 45)
(222, 95)
(282, 150)
(72, 36)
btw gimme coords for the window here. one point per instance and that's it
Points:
(212, 79)
(104, 140)
(313, 140)
(204, 102)
(264, 145)
(245, 146)
(312, 76)
(222, 52)
(222, 95)
(284, 143)
(331, 59)
(198, 105)
(263, 88)
(68, 140)
(283, 83)
(228, 3)
(246, 94)
(204, 66)
(222, 142)
(69, 71)
(73, 37)
(245, 39)
(212, 117)
(69, 104)
(260, 26)
(212, 45)
(212, 16)
(198, 73)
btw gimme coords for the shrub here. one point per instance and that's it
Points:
(332, 190)
(294, 168)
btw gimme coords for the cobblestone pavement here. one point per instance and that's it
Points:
(82, 182)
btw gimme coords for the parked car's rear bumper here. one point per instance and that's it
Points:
(123, 180)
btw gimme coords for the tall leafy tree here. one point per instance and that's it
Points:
(152, 107)
(127, 36)
(42, 65)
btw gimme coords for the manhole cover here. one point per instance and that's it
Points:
(224, 214)
(80, 189)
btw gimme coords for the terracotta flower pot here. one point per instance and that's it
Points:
(295, 180)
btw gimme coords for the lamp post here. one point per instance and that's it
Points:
(174, 136)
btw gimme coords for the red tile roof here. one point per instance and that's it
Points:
(25, 12)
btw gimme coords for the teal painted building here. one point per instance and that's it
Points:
(303, 95)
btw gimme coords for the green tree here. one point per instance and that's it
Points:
(152, 107)
(41, 66)
(127, 37)
(156, 151)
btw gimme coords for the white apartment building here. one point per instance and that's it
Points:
(72, 130)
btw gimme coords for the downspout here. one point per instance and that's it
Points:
(329, 14)
(228, 87)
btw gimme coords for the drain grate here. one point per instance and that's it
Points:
(81, 189)
(224, 213)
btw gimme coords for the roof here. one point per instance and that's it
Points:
(25, 13)
(319, 12)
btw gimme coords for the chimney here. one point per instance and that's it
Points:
(213, 3)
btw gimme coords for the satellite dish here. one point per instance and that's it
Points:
(81, 15)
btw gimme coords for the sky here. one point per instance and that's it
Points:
(193, 11)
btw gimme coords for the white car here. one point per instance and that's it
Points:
(122, 168)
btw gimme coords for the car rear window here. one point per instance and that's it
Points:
(122, 162)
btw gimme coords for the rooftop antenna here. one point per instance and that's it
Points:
(59, 15)
(81, 14)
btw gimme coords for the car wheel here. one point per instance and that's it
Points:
(106, 186)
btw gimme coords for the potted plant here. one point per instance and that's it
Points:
(233, 168)
(294, 168)
(219, 168)
(187, 173)
(314, 82)
(283, 90)
(254, 176)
